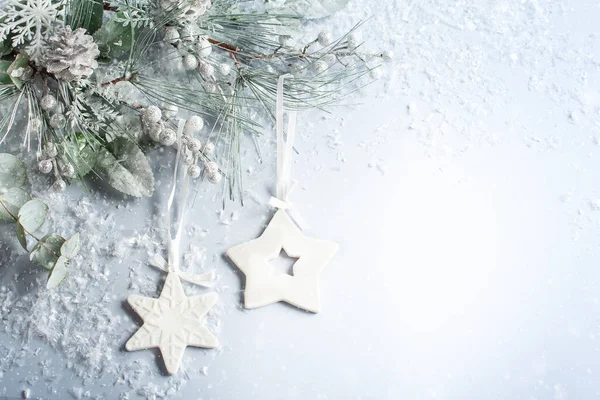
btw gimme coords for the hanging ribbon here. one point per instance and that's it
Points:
(285, 150)
(174, 242)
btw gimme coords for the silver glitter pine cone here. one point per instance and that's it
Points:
(71, 55)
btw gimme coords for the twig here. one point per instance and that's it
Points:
(120, 79)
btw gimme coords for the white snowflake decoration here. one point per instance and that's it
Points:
(28, 21)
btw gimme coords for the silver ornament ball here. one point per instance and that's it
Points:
(45, 166)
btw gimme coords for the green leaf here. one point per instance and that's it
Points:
(21, 236)
(71, 247)
(21, 61)
(11, 202)
(47, 250)
(58, 273)
(12, 172)
(126, 168)
(80, 154)
(4, 64)
(113, 38)
(32, 215)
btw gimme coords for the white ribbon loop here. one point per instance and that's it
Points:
(285, 150)
(174, 242)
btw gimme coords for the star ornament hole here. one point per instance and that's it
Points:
(283, 263)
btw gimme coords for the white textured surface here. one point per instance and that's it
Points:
(465, 200)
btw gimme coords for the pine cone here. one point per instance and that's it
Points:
(71, 55)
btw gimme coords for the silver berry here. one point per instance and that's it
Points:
(319, 66)
(214, 177)
(188, 158)
(190, 62)
(205, 68)
(297, 68)
(171, 35)
(208, 149)
(58, 121)
(45, 166)
(154, 130)
(353, 40)
(330, 59)
(194, 171)
(324, 38)
(60, 185)
(68, 170)
(152, 114)
(168, 137)
(224, 69)
(48, 103)
(50, 150)
(211, 167)
(194, 145)
(194, 124)
(203, 47)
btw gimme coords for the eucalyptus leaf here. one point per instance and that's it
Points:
(11, 202)
(47, 250)
(70, 248)
(4, 77)
(12, 172)
(58, 273)
(21, 61)
(113, 38)
(21, 236)
(126, 168)
(32, 215)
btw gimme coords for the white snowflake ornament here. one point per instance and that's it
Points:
(172, 322)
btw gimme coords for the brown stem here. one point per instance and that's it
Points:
(225, 46)
(120, 79)
(108, 7)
